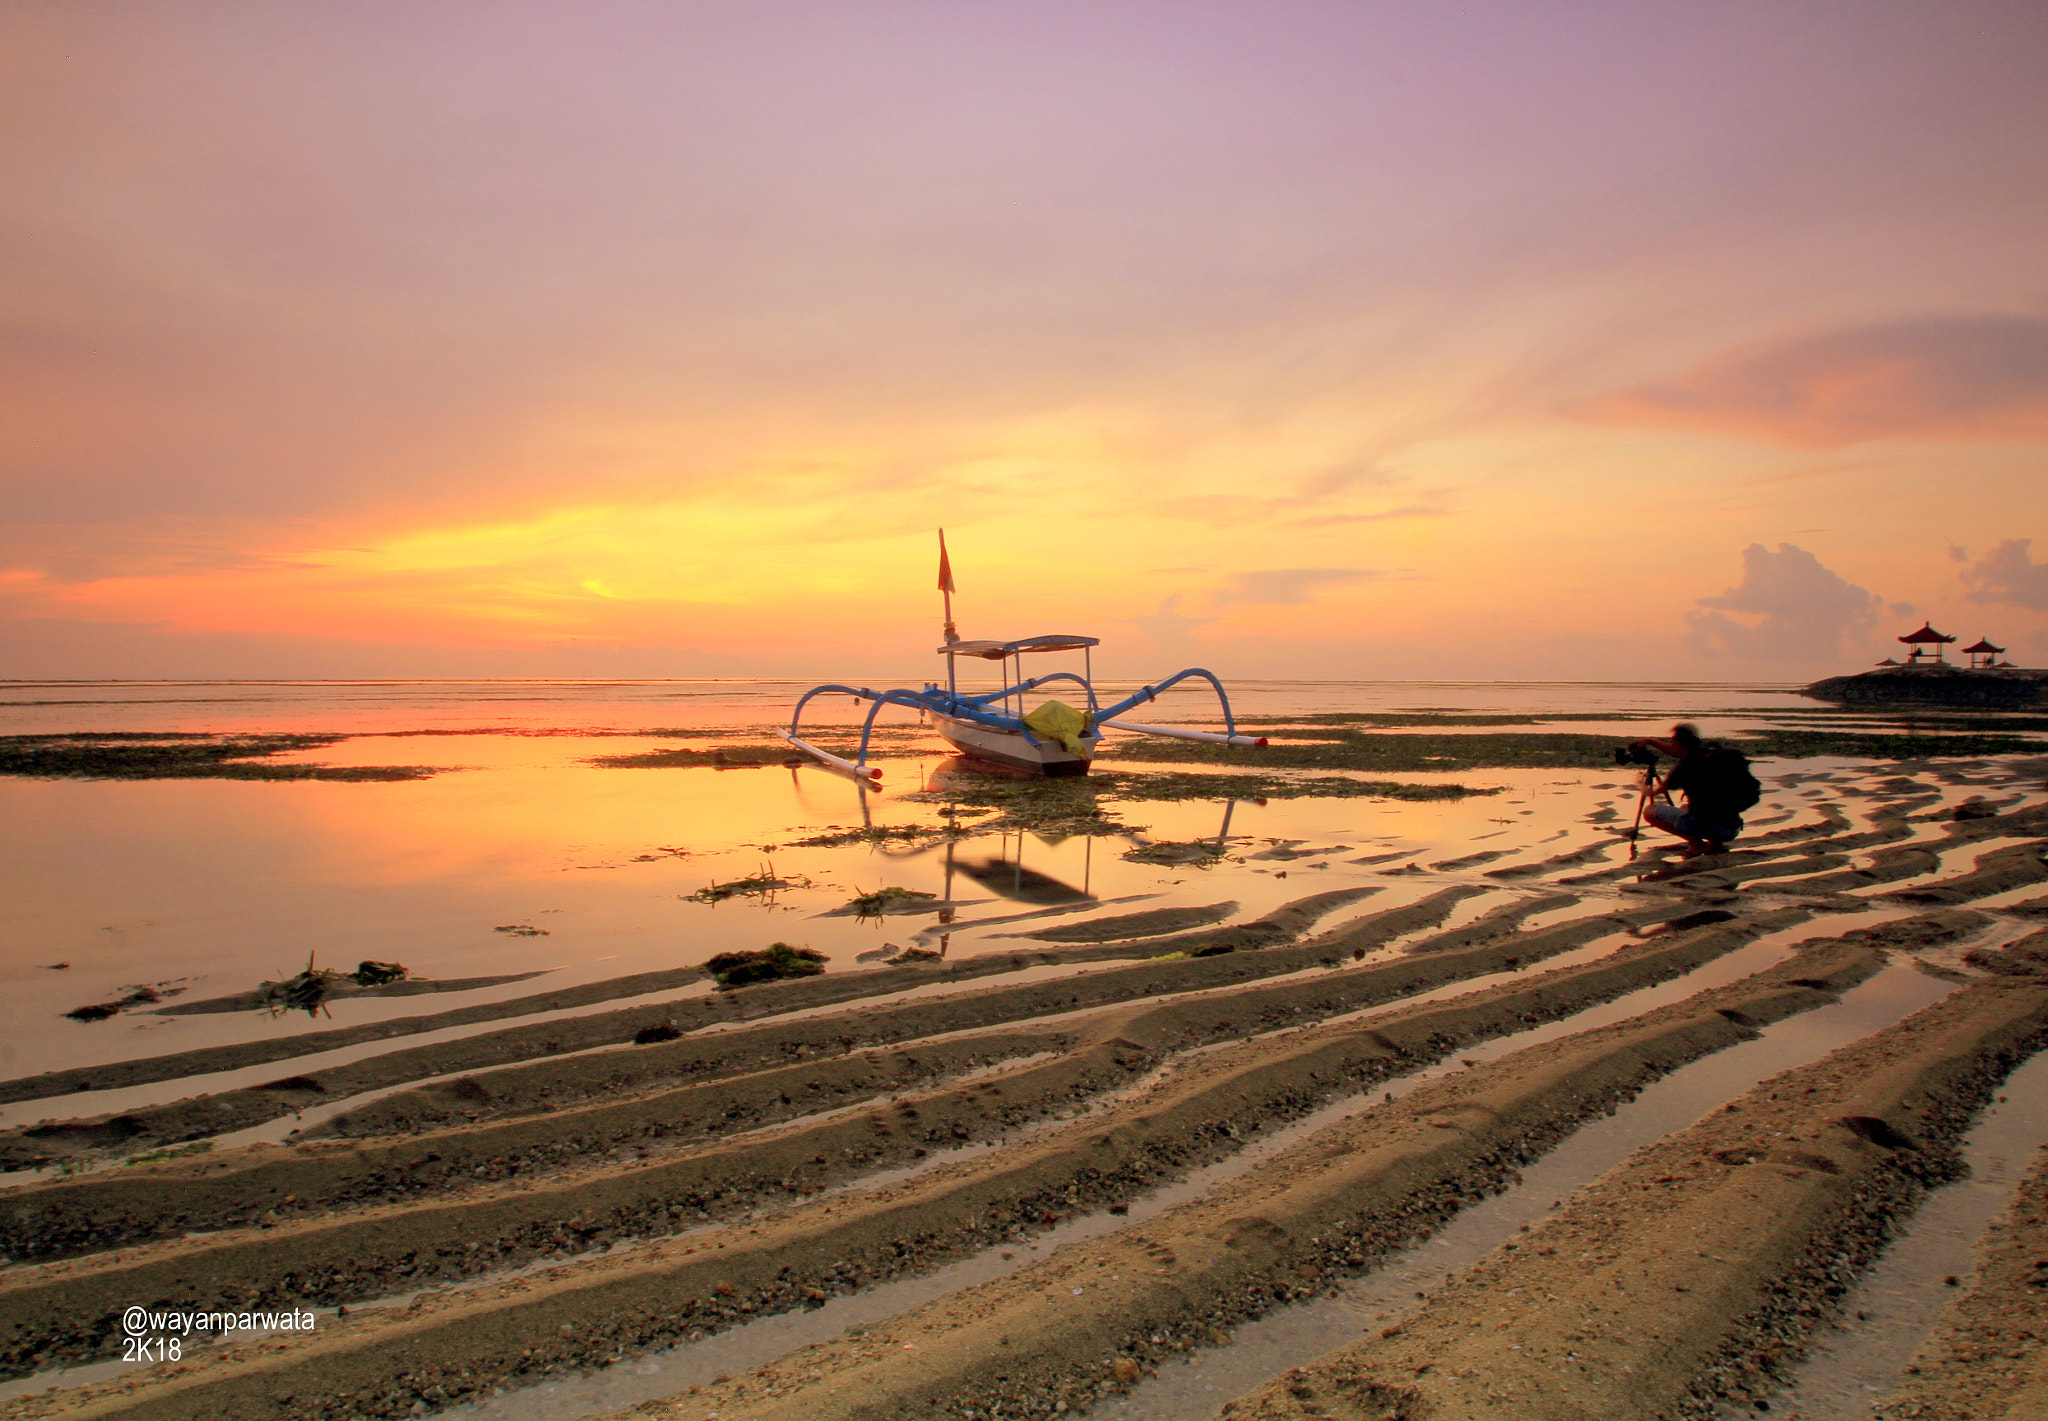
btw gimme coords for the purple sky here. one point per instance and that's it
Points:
(535, 339)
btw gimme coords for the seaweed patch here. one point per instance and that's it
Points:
(182, 755)
(764, 884)
(1193, 852)
(838, 837)
(739, 757)
(135, 996)
(891, 900)
(772, 963)
(308, 991)
(1182, 784)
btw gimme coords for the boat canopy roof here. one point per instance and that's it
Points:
(1002, 650)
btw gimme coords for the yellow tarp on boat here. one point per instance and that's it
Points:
(1056, 720)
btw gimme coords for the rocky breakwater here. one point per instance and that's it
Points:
(1938, 685)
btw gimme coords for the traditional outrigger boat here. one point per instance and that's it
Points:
(994, 727)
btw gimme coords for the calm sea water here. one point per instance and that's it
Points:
(207, 887)
(40, 707)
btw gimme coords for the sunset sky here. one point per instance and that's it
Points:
(1287, 337)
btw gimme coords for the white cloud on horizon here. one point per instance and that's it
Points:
(1797, 610)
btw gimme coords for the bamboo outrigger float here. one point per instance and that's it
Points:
(994, 727)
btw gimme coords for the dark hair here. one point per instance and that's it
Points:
(1688, 737)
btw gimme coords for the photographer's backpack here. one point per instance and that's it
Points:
(1735, 785)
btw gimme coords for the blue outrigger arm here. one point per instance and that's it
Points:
(859, 769)
(942, 701)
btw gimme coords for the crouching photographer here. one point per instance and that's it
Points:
(1716, 781)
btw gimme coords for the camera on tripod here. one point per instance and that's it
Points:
(1635, 755)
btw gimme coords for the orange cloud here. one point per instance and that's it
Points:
(2008, 576)
(1951, 379)
(1288, 586)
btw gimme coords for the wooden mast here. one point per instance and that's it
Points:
(952, 633)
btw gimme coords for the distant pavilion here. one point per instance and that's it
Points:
(1927, 652)
(1983, 656)
(1926, 643)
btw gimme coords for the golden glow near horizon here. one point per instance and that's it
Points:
(1311, 342)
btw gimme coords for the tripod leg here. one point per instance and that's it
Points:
(1635, 832)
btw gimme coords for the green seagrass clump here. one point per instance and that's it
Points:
(892, 900)
(769, 964)
(764, 885)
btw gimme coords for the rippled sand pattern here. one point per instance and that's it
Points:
(1361, 1108)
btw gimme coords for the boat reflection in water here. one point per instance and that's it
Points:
(1004, 872)
(1007, 875)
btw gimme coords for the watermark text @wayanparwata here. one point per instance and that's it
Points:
(154, 1335)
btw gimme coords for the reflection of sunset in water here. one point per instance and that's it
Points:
(1524, 374)
(214, 886)
(233, 883)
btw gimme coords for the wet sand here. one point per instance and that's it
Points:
(1199, 1093)
(1986, 1360)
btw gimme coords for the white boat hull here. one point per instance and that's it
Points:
(1011, 750)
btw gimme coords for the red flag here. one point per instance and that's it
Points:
(945, 565)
